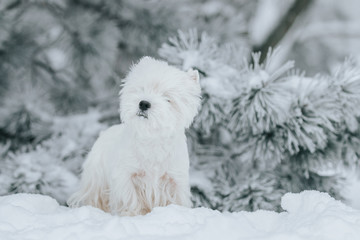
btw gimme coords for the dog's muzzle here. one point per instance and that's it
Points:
(142, 114)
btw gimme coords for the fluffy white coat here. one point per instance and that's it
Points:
(143, 162)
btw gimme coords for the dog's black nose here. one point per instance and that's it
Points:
(144, 105)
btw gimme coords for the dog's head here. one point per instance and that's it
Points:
(156, 96)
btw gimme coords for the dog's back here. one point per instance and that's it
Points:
(93, 185)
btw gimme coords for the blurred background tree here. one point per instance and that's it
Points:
(264, 128)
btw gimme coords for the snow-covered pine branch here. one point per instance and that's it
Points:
(283, 130)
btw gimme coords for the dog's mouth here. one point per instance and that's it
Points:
(142, 114)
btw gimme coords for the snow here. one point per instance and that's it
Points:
(352, 188)
(308, 215)
(57, 58)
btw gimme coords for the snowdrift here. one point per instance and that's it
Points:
(308, 215)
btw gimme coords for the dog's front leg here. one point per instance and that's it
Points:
(143, 191)
(174, 191)
(130, 196)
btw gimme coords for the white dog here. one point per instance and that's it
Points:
(143, 162)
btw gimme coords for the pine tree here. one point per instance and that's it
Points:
(283, 131)
(53, 167)
(58, 58)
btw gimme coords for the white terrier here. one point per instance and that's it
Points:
(143, 162)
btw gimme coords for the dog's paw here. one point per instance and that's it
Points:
(168, 187)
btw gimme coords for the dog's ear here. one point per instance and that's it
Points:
(194, 74)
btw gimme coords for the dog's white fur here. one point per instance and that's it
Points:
(143, 162)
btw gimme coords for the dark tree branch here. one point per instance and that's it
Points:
(13, 5)
(104, 12)
(284, 25)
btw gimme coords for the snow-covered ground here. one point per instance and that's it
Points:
(351, 190)
(308, 215)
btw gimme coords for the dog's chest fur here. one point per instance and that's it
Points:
(154, 155)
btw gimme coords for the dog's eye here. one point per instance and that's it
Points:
(167, 98)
